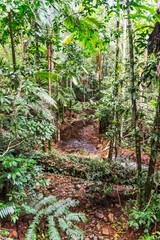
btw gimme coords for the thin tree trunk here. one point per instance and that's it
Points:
(134, 109)
(123, 71)
(117, 125)
(155, 143)
(50, 68)
(98, 72)
(12, 42)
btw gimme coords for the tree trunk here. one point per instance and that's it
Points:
(154, 144)
(12, 42)
(134, 108)
(98, 73)
(50, 68)
(123, 72)
(116, 117)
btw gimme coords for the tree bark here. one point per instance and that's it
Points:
(50, 68)
(134, 109)
(155, 143)
(117, 125)
(12, 42)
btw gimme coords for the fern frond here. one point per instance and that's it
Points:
(45, 201)
(63, 205)
(44, 96)
(31, 232)
(73, 217)
(4, 212)
(63, 224)
(75, 234)
(51, 208)
(76, 217)
(28, 209)
(95, 21)
(52, 230)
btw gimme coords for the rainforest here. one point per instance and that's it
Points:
(80, 119)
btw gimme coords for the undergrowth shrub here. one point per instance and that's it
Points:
(97, 170)
(18, 175)
(148, 217)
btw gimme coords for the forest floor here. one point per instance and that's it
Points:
(107, 216)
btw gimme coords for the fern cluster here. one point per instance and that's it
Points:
(55, 212)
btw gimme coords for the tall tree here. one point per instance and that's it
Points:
(134, 107)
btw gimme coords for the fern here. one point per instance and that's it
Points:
(76, 217)
(75, 233)
(5, 211)
(52, 210)
(52, 230)
(31, 232)
(64, 224)
(44, 201)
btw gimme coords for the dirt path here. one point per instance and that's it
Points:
(79, 136)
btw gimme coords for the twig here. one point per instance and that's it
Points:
(119, 199)
(10, 147)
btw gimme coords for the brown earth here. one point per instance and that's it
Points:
(107, 217)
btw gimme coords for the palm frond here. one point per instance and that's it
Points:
(44, 96)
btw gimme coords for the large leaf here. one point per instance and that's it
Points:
(137, 15)
(140, 6)
(46, 75)
(75, 80)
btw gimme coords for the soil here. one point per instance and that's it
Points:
(107, 215)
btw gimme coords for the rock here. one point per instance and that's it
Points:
(105, 231)
(88, 205)
(111, 217)
(92, 236)
(99, 215)
(98, 226)
(77, 187)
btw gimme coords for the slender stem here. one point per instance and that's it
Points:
(12, 42)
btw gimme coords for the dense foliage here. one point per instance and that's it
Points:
(64, 55)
